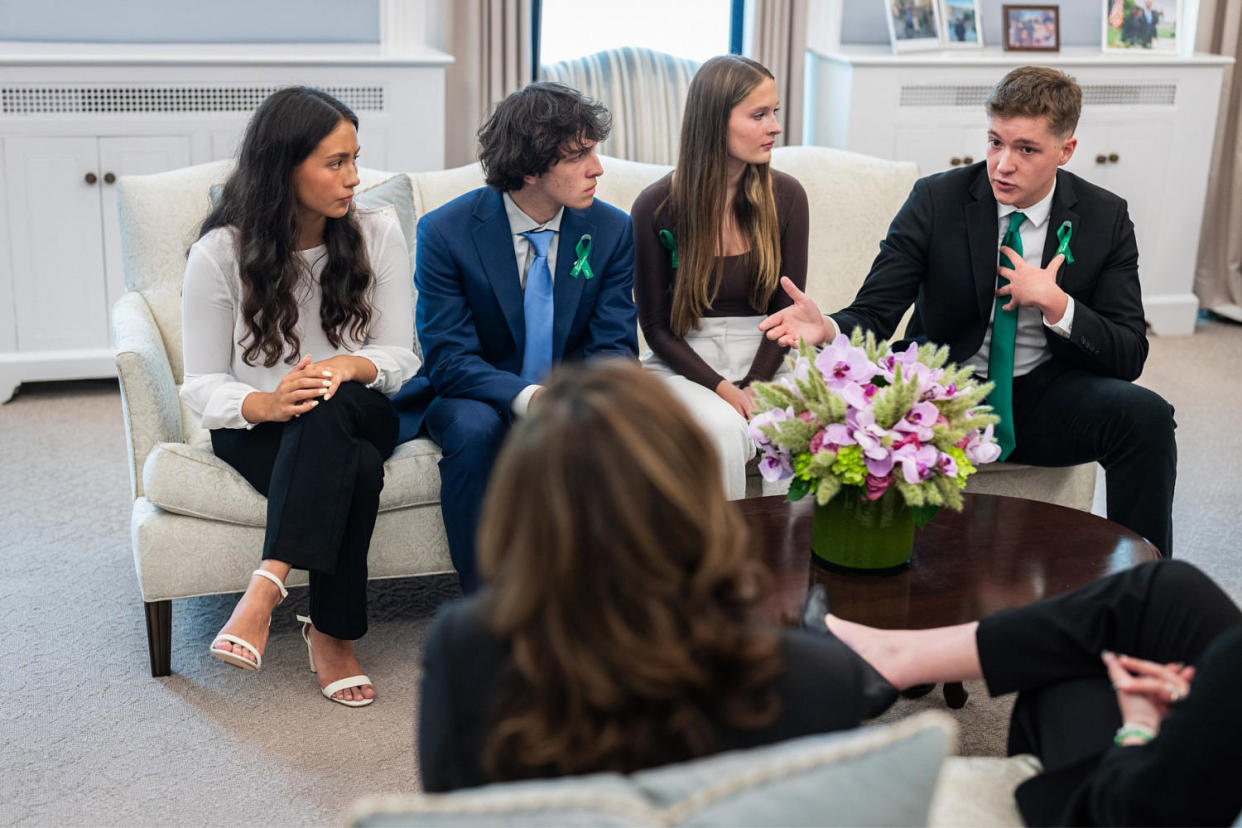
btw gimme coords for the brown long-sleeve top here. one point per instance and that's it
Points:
(654, 274)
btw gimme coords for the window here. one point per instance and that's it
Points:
(694, 29)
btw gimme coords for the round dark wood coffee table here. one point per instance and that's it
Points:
(997, 553)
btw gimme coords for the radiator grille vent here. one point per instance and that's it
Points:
(105, 100)
(1093, 94)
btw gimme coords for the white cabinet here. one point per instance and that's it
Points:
(61, 196)
(1146, 134)
(74, 119)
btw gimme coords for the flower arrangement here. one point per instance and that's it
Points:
(859, 417)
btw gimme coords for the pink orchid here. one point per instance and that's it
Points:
(767, 418)
(774, 466)
(919, 419)
(981, 448)
(842, 364)
(917, 464)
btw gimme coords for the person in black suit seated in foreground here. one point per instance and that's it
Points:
(1127, 692)
(616, 630)
(1029, 274)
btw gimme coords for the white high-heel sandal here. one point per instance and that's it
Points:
(340, 684)
(230, 657)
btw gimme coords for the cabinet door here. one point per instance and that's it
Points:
(936, 149)
(131, 156)
(55, 233)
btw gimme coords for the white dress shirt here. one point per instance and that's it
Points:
(1030, 347)
(524, 254)
(217, 379)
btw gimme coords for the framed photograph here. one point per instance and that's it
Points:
(1032, 28)
(913, 24)
(959, 22)
(1142, 25)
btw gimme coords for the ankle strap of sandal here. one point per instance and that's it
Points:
(284, 593)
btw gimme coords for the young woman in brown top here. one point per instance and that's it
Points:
(711, 241)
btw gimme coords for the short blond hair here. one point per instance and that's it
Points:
(1038, 92)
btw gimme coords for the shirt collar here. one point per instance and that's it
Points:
(1037, 214)
(520, 223)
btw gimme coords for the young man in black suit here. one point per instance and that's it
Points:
(1030, 275)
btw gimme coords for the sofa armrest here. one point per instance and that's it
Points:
(149, 400)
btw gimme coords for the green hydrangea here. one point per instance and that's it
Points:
(850, 466)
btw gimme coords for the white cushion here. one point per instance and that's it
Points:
(190, 480)
(880, 775)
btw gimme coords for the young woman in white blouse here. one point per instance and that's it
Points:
(297, 323)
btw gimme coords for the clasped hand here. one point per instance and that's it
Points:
(1145, 689)
(300, 390)
(1033, 286)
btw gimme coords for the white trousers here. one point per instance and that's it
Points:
(728, 344)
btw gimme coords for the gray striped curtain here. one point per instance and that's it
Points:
(645, 91)
(778, 41)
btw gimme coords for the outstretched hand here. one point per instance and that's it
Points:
(801, 320)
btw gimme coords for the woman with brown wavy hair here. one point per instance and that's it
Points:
(711, 241)
(616, 631)
(297, 325)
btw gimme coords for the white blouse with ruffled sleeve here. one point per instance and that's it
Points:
(217, 379)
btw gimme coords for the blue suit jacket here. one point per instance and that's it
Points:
(469, 311)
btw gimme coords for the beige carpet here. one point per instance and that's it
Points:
(90, 738)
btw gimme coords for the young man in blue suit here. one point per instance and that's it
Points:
(513, 278)
(1030, 275)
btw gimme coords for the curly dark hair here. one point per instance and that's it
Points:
(534, 128)
(628, 611)
(259, 201)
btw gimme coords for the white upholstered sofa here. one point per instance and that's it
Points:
(197, 526)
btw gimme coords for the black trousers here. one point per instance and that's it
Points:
(1066, 711)
(322, 474)
(1064, 416)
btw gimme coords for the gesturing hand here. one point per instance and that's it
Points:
(1033, 286)
(801, 320)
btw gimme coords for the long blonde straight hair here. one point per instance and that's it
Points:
(696, 200)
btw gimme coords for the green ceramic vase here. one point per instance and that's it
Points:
(853, 533)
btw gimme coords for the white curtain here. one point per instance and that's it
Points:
(1218, 274)
(490, 41)
(778, 41)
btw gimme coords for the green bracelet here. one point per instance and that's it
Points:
(1128, 730)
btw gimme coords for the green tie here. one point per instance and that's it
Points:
(1000, 355)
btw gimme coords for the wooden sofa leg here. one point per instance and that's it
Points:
(159, 636)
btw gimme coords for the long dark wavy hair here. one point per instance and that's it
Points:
(619, 575)
(259, 201)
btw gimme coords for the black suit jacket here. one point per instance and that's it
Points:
(941, 254)
(820, 690)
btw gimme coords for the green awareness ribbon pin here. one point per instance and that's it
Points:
(670, 244)
(1063, 235)
(581, 265)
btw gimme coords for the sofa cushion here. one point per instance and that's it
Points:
(882, 775)
(190, 480)
(978, 790)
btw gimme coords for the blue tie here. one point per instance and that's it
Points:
(538, 309)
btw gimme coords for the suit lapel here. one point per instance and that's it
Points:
(566, 289)
(982, 231)
(493, 240)
(1063, 201)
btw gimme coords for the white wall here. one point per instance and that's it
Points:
(191, 21)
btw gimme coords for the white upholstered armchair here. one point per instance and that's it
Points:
(197, 526)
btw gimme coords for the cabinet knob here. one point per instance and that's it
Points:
(1101, 159)
(109, 178)
(968, 160)
(91, 178)
(1114, 157)
(955, 161)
